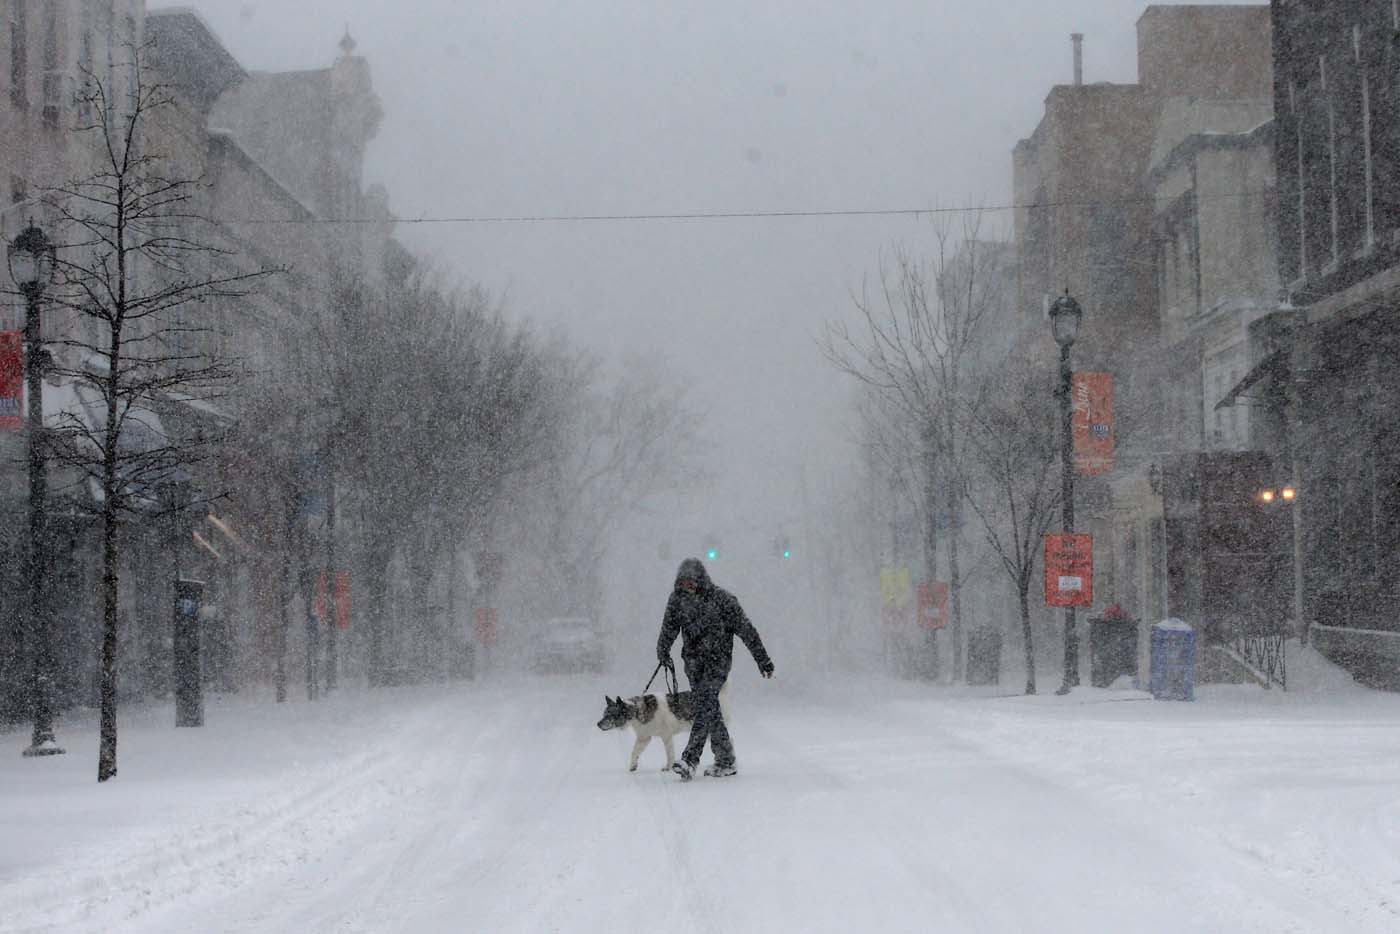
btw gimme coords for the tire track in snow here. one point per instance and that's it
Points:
(239, 844)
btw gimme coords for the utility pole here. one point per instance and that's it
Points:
(1065, 316)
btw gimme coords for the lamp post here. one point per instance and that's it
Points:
(31, 260)
(1065, 317)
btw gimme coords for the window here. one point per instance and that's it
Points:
(19, 53)
(107, 26)
(1369, 239)
(131, 61)
(1234, 409)
(1331, 158)
(1302, 181)
(85, 63)
(53, 65)
(1219, 418)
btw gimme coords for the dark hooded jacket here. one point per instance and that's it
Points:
(707, 622)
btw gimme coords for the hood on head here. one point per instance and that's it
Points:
(692, 569)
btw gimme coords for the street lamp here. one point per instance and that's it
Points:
(1065, 317)
(31, 260)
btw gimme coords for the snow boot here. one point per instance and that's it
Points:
(720, 771)
(684, 769)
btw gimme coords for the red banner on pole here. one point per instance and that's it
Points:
(933, 605)
(1093, 423)
(488, 630)
(1069, 570)
(342, 600)
(11, 381)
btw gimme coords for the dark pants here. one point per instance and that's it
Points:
(709, 724)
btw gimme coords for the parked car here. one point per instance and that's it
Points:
(571, 643)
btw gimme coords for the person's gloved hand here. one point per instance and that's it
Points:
(766, 669)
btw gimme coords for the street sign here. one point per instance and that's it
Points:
(1093, 423)
(933, 605)
(895, 584)
(11, 381)
(1069, 570)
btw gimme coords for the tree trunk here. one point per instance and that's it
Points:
(107, 748)
(107, 743)
(1024, 594)
(432, 648)
(955, 591)
(377, 567)
(931, 532)
(955, 495)
(313, 632)
(284, 597)
(284, 601)
(332, 621)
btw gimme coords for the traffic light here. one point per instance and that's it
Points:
(711, 548)
(783, 546)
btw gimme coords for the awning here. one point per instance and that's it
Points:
(1274, 366)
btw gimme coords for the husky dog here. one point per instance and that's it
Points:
(653, 715)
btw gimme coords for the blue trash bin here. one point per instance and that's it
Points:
(1173, 661)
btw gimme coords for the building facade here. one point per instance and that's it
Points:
(1337, 146)
(278, 158)
(49, 49)
(1152, 204)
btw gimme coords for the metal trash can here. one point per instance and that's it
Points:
(984, 656)
(1113, 642)
(1173, 661)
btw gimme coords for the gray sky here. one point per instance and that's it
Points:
(529, 107)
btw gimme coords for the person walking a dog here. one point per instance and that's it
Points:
(707, 618)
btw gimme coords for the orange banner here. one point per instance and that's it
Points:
(1069, 570)
(1093, 423)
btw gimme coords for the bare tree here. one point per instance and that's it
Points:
(134, 268)
(617, 440)
(920, 338)
(1010, 477)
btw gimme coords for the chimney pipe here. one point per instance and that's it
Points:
(1078, 39)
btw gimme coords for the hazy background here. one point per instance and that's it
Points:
(527, 107)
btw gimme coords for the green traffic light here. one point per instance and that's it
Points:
(787, 554)
(713, 554)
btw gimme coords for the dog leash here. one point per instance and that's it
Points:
(659, 666)
(671, 682)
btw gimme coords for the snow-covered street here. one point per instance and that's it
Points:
(873, 805)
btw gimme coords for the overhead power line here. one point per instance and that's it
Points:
(730, 215)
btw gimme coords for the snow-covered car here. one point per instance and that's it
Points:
(571, 643)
